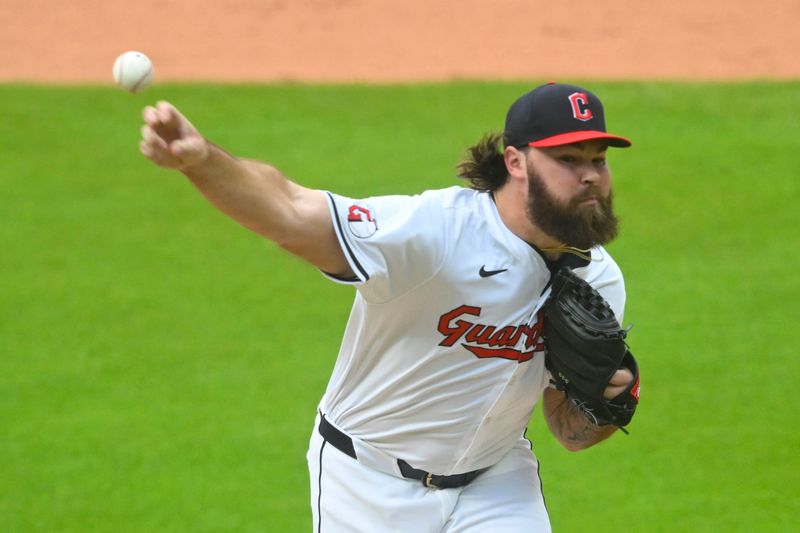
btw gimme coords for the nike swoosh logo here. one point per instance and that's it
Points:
(487, 273)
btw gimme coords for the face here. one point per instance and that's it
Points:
(569, 193)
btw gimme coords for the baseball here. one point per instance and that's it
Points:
(133, 71)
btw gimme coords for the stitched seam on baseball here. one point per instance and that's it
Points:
(138, 84)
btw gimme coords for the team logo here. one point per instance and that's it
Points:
(580, 106)
(485, 341)
(362, 221)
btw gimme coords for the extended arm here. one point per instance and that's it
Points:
(255, 194)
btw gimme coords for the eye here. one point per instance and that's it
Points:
(568, 159)
(599, 161)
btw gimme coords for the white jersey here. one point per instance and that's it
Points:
(442, 361)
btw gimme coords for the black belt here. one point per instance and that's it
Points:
(344, 444)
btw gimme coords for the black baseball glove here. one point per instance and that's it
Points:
(585, 345)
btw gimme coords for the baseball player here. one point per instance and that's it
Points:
(422, 426)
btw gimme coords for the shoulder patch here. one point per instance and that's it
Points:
(361, 220)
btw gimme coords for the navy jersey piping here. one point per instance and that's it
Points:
(344, 240)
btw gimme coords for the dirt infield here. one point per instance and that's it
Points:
(390, 40)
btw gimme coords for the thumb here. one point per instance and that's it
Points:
(190, 150)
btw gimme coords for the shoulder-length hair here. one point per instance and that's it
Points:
(484, 165)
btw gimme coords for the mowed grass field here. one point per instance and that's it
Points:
(160, 366)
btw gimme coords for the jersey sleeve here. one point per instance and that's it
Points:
(392, 243)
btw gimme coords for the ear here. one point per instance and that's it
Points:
(516, 163)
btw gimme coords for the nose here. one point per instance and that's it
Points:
(589, 174)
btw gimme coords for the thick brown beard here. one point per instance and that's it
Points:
(581, 226)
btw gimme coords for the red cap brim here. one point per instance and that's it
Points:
(580, 136)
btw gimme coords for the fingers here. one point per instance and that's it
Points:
(618, 383)
(155, 147)
(168, 115)
(622, 377)
(150, 137)
(169, 140)
(165, 120)
(163, 113)
(159, 154)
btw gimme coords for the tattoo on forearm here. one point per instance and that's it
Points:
(579, 429)
(581, 435)
(573, 425)
(570, 424)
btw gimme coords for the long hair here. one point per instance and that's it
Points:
(484, 166)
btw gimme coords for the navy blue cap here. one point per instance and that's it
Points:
(555, 114)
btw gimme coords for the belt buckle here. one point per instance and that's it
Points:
(428, 482)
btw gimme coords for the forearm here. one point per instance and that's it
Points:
(569, 425)
(254, 194)
(261, 198)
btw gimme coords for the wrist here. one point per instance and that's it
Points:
(198, 158)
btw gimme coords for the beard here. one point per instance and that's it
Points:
(581, 226)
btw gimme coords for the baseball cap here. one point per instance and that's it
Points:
(556, 114)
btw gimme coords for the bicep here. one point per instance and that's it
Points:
(309, 232)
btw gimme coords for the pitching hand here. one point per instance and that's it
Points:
(169, 139)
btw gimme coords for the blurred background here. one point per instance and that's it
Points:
(160, 366)
(414, 40)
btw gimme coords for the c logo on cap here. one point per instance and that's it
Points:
(580, 106)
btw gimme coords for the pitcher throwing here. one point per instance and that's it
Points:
(422, 426)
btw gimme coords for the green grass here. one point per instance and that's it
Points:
(160, 366)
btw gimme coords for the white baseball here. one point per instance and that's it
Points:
(133, 71)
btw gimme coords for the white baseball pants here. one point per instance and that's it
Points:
(349, 497)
